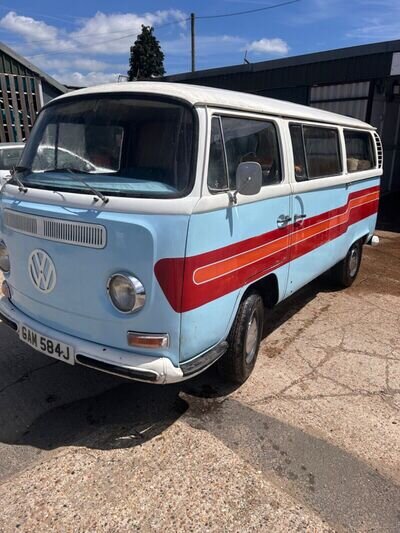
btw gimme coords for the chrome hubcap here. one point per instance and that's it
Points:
(353, 262)
(251, 339)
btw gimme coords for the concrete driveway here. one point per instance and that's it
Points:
(310, 443)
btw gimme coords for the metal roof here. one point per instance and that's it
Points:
(386, 47)
(199, 95)
(35, 70)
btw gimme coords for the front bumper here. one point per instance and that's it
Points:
(113, 361)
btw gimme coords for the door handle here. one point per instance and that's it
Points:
(298, 219)
(283, 220)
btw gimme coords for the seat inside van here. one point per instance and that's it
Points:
(154, 152)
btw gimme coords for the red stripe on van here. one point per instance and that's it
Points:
(194, 281)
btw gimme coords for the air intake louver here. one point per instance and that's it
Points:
(24, 224)
(78, 233)
(379, 149)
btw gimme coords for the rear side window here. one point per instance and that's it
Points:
(316, 151)
(252, 140)
(359, 152)
(322, 151)
(217, 176)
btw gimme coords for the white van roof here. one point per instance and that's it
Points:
(198, 95)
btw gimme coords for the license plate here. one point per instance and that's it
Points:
(51, 347)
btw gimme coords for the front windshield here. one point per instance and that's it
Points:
(121, 146)
(9, 157)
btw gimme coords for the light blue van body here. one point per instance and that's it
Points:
(168, 244)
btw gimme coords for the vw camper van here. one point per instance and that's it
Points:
(150, 224)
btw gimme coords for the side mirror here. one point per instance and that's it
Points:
(248, 178)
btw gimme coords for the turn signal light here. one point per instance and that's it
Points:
(5, 289)
(148, 340)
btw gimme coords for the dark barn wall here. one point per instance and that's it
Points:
(295, 78)
(292, 76)
(9, 65)
(49, 92)
(20, 101)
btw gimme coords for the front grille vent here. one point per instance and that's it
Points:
(24, 224)
(53, 229)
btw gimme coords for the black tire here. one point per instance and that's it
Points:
(345, 272)
(236, 365)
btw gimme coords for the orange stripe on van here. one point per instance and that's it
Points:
(204, 274)
(192, 281)
(226, 266)
(343, 218)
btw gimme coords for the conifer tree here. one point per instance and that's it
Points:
(147, 58)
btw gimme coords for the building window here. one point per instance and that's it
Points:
(359, 152)
(217, 176)
(316, 152)
(252, 140)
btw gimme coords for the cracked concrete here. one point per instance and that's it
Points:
(310, 443)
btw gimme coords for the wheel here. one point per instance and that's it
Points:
(244, 339)
(345, 272)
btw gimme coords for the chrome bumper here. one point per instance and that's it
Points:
(374, 240)
(129, 365)
(113, 361)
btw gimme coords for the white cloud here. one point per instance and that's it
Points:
(268, 46)
(89, 64)
(316, 11)
(81, 61)
(63, 65)
(83, 80)
(102, 33)
(206, 45)
(376, 29)
(36, 32)
(94, 50)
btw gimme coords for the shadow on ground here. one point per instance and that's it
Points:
(102, 412)
(62, 405)
(343, 490)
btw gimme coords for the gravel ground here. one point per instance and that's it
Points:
(310, 443)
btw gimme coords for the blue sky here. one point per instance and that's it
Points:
(84, 42)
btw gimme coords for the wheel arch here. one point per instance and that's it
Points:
(268, 288)
(366, 237)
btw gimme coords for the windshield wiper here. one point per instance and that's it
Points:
(75, 173)
(13, 172)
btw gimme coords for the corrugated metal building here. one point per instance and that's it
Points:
(361, 81)
(23, 90)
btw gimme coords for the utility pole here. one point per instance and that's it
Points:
(192, 20)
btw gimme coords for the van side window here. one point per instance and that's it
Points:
(359, 152)
(252, 140)
(300, 168)
(322, 151)
(217, 177)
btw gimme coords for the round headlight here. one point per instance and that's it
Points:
(126, 293)
(4, 258)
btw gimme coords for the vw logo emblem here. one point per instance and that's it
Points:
(42, 271)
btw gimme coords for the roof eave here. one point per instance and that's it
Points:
(48, 79)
